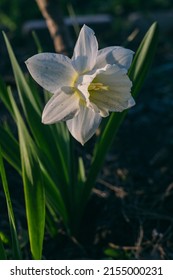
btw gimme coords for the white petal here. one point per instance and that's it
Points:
(61, 107)
(115, 95)
(84, 125)
(51, 70)
(85, 52)
(114, 55)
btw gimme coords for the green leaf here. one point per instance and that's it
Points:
(15, 243)
(33, 186)
(10, 148)
(81, 173)
(138, 71)
(53, 142)
(20, 80)
(54, 198)
(3, 255)
(4, 97)
(37, 42)
(143, 58)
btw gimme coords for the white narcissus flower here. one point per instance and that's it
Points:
(86, 87)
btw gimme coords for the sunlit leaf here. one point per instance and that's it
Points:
(15, 242)
(33, 186)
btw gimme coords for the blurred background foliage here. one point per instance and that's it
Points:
(13, 14)
(124, 15)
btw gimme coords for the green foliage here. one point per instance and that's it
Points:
(119, 6)
(15, 243)
(55, 184)
(137, 5)
(11, 15)
(33, 186)
(118, 254)
(2, 251)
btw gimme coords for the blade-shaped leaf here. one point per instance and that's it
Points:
(33, 186)
(10, 148)
(37, 42)
(15, 243)
(4, 97)
(143, 58)
(20, 79)
(3, 255)
(52, 141)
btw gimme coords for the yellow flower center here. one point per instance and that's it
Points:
(97, 86)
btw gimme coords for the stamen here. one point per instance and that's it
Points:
(97, 86)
